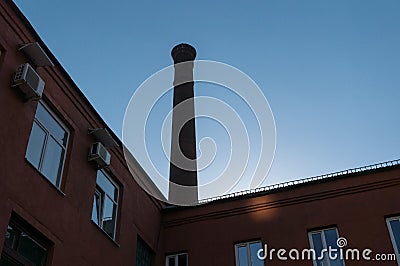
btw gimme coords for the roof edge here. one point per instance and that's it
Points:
(304, 181)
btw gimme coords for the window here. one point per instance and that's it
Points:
(1, 53)
(144, 255)
(246, 254)
(23, 247)
(47, 144)
(180, 259)
(323, 239)
(394, 231)
(105, 203)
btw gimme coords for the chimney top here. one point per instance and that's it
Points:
(183, 52)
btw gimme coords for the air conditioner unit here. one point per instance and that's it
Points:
(29, 82)
(100, 155)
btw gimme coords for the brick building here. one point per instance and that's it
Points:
(58, 208)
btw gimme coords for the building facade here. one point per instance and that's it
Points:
(58, 208)
(46, 180)
(357, 204)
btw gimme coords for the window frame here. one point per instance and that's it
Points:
(48, 135)
(142, 245)
(175, 256)
(324, 243)
(3, 52)
(248, 252)
(21, 228)
(392, 238)
(103, 194)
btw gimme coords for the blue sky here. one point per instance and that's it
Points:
(329, 69)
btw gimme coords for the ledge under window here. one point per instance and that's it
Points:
(104, 232)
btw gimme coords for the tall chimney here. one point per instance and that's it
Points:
(183, 165)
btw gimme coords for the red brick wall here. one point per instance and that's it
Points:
(63, 217)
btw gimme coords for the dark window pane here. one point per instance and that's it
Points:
(144, 255)
(109, 213)
(331, 241)
(254, 247)
(21, 249)
(31, 250)
(395, 225)
(242, 255)
(331, 238)
(6, 261)
(35, 145)
(11, 237)
(53, 161)
(55, 129)
(317, 242)
(318, 246)
(182, 260)
(107, 186)
(171, 261)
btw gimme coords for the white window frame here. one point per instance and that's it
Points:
(248, 253)
(48, 134)
(104, 194)
(394, 244)
(176, 258)
(324, 245)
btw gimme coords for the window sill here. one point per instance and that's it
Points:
(104, 232)
(45, 178)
